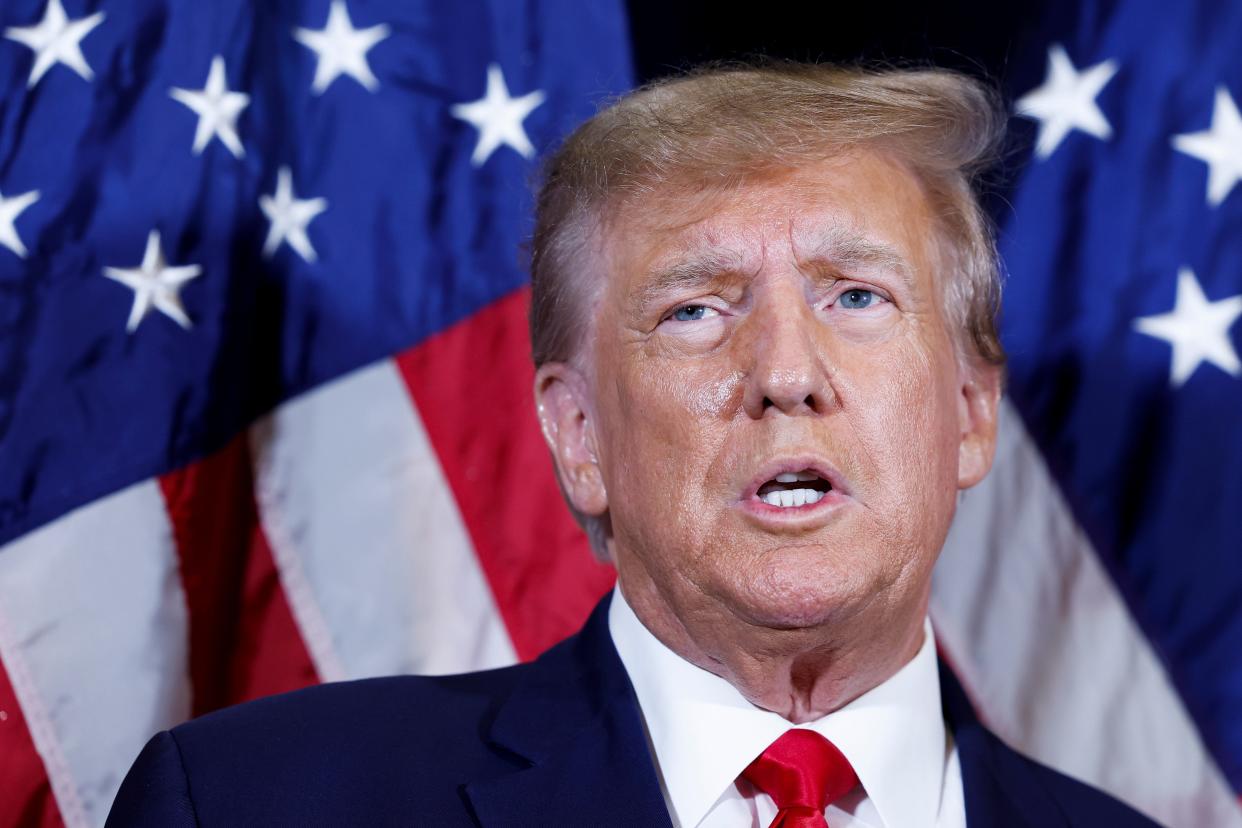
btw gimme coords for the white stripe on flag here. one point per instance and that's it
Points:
(94, 613)
(1050, 652)
(355, 506)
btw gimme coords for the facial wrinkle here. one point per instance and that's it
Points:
(837, 250)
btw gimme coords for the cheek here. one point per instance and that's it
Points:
(667, 426)
(654, 417)
(677, 403)
(716, 397)
(910, 433)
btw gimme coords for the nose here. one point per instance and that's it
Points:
(788, 372)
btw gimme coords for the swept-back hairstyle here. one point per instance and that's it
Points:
(721, 125)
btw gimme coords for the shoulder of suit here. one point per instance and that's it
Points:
(362, 699)
(1078, 802)
(400, 711)
(345, 753)
(1084, 804)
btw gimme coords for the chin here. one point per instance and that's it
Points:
(805, 587)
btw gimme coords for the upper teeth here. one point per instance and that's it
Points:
(792, 497)
(796, 477)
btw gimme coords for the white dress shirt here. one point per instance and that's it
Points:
(703, 733)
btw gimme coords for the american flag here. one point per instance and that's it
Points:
(265, 413)
(1110, 526)
(1113, 512)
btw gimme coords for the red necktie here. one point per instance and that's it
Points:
(803, 773)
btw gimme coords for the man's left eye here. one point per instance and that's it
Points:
(857, 298)
(692, 313)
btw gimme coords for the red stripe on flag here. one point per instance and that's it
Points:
(26, 798)
(244, 642)
(472, 384)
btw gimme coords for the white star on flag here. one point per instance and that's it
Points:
(289, 216)
(1197, 329)
(1220, 147)
(498, 117)
(10, 209)
(155, 284)
(341, 49)
(1066, 101)
(217, 109)
(56, 39)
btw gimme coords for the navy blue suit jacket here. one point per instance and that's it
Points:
(557, 742)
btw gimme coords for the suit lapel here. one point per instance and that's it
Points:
(574, 718)
(999, 784)
(575, 721)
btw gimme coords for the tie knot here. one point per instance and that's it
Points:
(802, 770)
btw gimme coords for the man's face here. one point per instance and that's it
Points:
(780, 420)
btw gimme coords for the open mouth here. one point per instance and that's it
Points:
(789, 490)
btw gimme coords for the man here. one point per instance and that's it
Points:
(763, 318)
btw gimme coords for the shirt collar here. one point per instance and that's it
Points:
(704, 732)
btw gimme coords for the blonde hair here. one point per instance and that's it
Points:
(721, 125)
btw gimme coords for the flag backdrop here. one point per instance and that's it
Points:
(265, 413)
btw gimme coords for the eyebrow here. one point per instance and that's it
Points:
(700, 267)
(841, 248)
(834, 247)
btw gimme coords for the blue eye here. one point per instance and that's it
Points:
(856, 298)
(691, 313)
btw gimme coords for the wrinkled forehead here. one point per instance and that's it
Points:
(857, 210)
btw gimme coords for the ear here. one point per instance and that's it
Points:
(977, 412)
(566, 417)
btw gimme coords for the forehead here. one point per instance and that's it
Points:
(862, 205)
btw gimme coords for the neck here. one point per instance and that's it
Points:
(801, 674)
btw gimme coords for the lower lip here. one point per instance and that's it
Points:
(829, 502)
